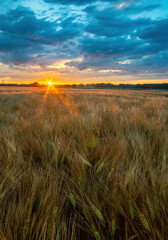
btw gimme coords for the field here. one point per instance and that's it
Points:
(83, 164)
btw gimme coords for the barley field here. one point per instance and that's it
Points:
(83, 164)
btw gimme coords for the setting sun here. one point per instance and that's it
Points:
(50, 83)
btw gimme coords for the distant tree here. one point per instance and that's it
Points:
(35, 84)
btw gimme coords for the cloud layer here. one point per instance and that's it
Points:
(75, 2)
(116, 38)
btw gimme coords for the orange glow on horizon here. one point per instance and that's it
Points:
(47, 82)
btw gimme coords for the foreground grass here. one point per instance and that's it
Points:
(84, 166)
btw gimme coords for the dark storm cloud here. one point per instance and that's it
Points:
(102, 47)
(156, 33)
(117, 41)
(75, 2)
(22, 33)
(138, 8)
(7, 43)
(111, 22)
(106, 38)
(22, 21)
(133, 7)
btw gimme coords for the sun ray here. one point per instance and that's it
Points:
(46, 94)
(66, 104)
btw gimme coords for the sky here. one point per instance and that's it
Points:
(84, 41)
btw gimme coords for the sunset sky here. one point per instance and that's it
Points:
(82, 41)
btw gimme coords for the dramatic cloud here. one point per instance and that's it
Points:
(138, 8)
(112, 22)
(114, 37)
(117, 41)
(76, 2)
(156, 33)
(23, 36)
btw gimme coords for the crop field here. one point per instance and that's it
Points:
(83, 164)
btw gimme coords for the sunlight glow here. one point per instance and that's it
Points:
(63, 100)
(50, 83)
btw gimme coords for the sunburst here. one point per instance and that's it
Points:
(50, 90)
(50, 83)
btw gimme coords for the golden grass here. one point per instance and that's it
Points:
(85, 164)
